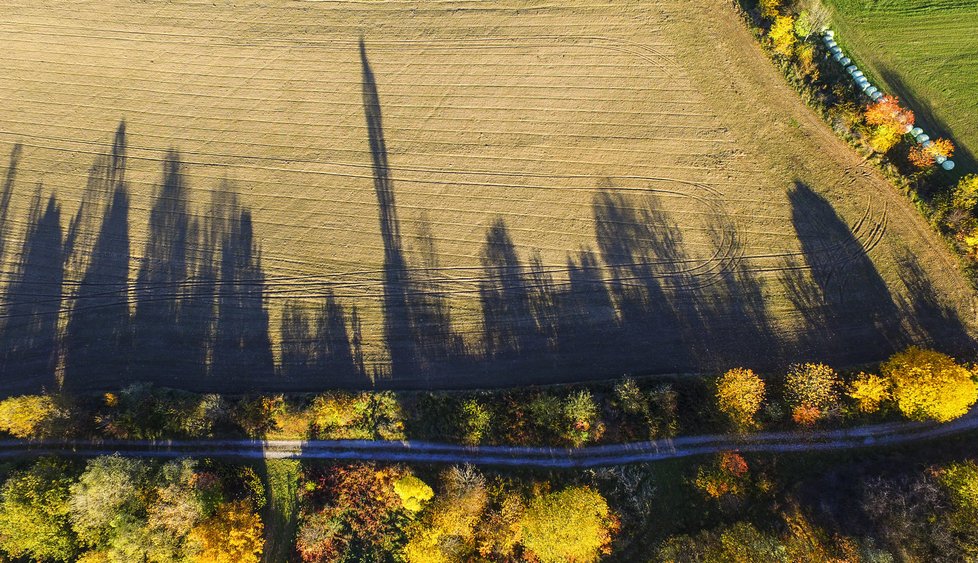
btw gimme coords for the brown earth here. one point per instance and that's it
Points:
(565, 191)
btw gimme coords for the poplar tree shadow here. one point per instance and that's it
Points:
(397, 313)
(33, 303)
(317, 348)
(97, 340)
(847, 308)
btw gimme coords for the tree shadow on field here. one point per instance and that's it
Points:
(317, 349)
(847, 308)
(161, 281)
(241, 358)
(643, 250)
(932, 319)
(677, 312)
(417, 324)
(397, 314)
(33, 303)
(96, 339)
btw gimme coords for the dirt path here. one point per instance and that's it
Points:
(431, 452)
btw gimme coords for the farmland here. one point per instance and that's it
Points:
(924, 52)
(434, 195)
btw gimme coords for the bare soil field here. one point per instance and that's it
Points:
(434, 194)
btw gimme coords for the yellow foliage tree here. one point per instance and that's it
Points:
(782, 35)
(740, 393)
(869, 391)
(930, 385)
(28, 416)
(413, 492)
(232, 535)
(446, 532)
(966, 193)
(885, 137)
(769, 8)
(573, 525)
(811, 391)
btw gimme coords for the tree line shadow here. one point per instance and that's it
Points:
(195, 316)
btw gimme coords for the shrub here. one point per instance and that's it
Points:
(475, 420)
(966, 193)
(581, 418)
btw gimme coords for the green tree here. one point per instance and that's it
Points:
(107, 496)
(574, 525)
(475, 420)
(34, 513)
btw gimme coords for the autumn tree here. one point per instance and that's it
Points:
(34, 513)
(446, 531)
(30, 416)
(234, 534)
(811, 391)
(928, 385)
(782, 35)
(740, 393)
(572, 525)
(889, 122)
(769, 8)
(869, 391)
(349, 505)
(413, 492)
(726, 476)
(925, 157)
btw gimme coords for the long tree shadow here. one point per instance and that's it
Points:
(33, 303)
(242, 354)
(397, 314)
(317, 349)
(161, 281)
(643, 251)
(849, 314)
(933, 320)
(96, 340)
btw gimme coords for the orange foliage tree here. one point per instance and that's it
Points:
(925, 157)
(889, 121)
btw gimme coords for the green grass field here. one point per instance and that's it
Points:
(925, 52)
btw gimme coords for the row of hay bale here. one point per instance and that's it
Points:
(874, 93)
